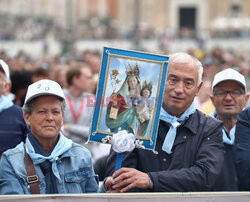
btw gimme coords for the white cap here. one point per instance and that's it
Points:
(6, 70)
(229, 74)
(43, 87)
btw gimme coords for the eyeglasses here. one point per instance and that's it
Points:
(223, 93)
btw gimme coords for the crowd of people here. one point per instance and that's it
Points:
(33, 29)
(26, 29)
(202, 140)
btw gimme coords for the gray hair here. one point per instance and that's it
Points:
(182, 57)
(29, 106)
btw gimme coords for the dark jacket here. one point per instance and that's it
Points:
(13, 129)
(227, 179)
(194, 164)
(242, 150)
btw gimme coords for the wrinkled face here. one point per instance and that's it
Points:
(180, 87)
(145, 93)
(132, 82)
(46, 118)
(229, 105)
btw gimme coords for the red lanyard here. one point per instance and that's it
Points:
(75, 116)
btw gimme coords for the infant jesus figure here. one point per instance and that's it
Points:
(144, 107)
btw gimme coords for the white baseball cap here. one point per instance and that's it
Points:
(229, 74)
(6, 70)
(43, 87)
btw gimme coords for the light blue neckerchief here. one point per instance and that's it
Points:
(174, 122)
(226, 139)
(231, 134)
(63, 145)
(5, 102)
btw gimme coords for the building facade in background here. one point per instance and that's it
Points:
(183, 17)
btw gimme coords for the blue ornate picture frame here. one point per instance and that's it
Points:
(129, 96)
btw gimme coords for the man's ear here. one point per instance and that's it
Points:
(198, 89)
(212, 98)
(26, 117)
(246, 98)
(74, 79)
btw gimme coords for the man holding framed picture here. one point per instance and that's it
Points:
(189, 143)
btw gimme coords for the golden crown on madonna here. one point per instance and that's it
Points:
(133, 71)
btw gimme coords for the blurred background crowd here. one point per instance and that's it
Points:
(44, 39)
(25, 70)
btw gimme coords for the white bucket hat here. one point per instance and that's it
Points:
(43, 87)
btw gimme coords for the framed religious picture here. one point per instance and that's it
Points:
(129, 96)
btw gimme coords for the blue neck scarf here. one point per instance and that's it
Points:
(46, 166)
(230, 140)
(174, 123)
(5, 102)
(63, 145)
(225, 137)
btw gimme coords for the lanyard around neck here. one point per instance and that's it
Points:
(75, 116)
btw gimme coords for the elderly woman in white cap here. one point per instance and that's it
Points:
(48, 162)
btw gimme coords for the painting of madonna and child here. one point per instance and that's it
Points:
(129, 95)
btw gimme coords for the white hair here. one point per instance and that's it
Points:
(182, 57)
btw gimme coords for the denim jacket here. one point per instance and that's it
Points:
(75, 169)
